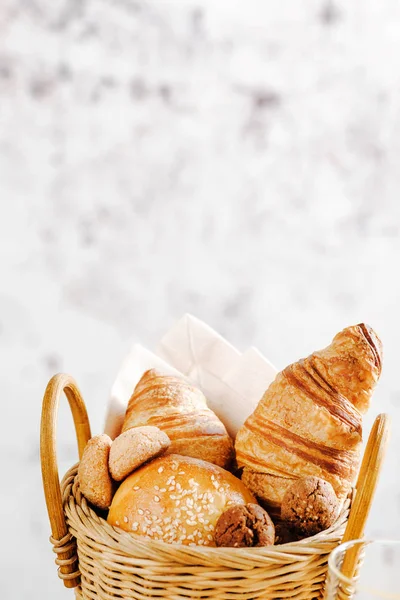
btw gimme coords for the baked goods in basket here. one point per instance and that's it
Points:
(244, 526)
(309, 421)
(309, 506)
(134, 447)
(93, 472)
(176, 499)
(179, 409)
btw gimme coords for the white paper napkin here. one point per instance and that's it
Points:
(247, 382)
(233, 382)
(203, 355)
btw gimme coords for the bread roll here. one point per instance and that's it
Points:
(94, 478)
(177, 499)
(134, 447)
(181, 410)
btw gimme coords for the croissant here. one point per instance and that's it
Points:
(181, 410)
(309, 421)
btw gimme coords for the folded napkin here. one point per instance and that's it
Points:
(233, 382)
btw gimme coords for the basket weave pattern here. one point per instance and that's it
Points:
(116, 564)
(104, 563)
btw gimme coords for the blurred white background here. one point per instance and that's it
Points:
(235, 160)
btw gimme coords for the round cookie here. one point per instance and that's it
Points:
(134, 447)
(309, 506)
(94, 477)
(244, 525)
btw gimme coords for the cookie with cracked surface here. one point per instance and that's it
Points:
(309, 506)
(94, 477)
(246, 525)
(135, 447)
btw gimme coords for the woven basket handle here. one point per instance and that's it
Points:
(64, 544)
(365, 489)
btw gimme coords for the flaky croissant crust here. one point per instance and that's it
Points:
(309, 421)
(181, 410)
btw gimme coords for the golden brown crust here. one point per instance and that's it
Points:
(309, 421)
(177, 499)
(134, 447)
(94, 477)
(179, 409)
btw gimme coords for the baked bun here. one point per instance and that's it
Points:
(94, 477)
(176, 499)
(134, 447)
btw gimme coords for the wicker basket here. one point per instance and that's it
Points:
(103, 562)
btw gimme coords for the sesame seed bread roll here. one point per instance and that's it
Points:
(176, 499)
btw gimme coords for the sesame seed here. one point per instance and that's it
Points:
(212, 477)
(136, 488)
(209, 536)
(156, 488)
(117, 523)
(160, 469)
(140, 511)
(156, 498)
(163, 490)
(181, 473)
(125, 519)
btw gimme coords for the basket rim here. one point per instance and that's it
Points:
(84, 521)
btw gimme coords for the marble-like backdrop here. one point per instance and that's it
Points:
(236, 160)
